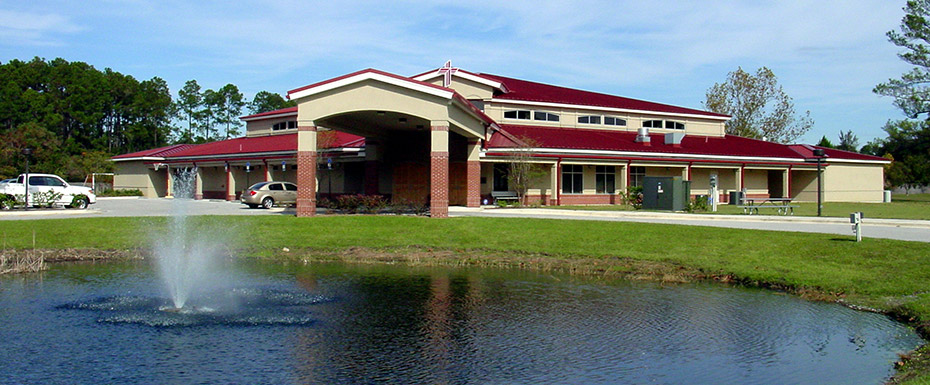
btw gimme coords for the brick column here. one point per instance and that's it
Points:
(439, 170)
(473, 176)
(306, 171)
(230, 184)
(268, 176)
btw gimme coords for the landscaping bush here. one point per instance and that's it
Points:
(698, 204)
(121, 193)
(45, 198)
(359, 203)
(634, 196)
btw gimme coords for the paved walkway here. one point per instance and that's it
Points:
(908, 230)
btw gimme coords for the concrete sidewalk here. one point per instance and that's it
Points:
(900, 229)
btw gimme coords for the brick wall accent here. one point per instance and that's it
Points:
(458, 183)
(473, 184)
(439, 184)
(591, 199)
(411, 182)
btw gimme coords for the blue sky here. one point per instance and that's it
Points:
(827, 54)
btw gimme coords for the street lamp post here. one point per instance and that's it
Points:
(819, 154)
(26, 152)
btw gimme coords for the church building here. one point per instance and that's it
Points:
(447, 136)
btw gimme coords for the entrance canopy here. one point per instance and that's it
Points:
(366, 101)
(384, 107)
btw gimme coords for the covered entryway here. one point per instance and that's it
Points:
(422, 140)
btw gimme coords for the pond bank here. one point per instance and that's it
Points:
(911, 366)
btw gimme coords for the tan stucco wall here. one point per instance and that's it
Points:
(466, 88)
(756, 182)
(137, 175)
(263, 127)
(853, 183)
(569, 118)
(804, 185)
(213, 178)
(371, 95)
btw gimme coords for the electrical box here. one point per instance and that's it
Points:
(666, 193)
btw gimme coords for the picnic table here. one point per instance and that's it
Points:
(752, 205)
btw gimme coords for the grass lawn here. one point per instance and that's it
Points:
(884, 274)
(913, 206)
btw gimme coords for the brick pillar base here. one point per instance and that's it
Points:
(306, 183)
(473, 180)
(371, 177)
(439, 184)
(198, 197)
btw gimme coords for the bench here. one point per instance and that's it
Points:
(754, 209)
(504, 195)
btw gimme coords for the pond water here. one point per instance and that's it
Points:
(335, 323)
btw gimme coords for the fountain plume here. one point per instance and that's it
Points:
(186, 257)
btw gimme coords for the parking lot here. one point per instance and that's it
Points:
(141, 207)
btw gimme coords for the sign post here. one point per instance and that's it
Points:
(712, 195)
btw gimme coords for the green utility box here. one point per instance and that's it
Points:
(666, 193)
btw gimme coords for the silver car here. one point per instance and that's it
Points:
(268, 194)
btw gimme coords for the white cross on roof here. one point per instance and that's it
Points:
(447, 71)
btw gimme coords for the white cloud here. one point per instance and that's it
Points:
(28, 28)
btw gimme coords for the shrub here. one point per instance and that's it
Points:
(634, 196)
(698, 204)
(359, 203)
(45, 198)
(121, 193)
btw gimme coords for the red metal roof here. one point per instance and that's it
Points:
(288, 110)
(807, 151)
(156, 152)
(246, 145)
(624, 141)
(522, 90)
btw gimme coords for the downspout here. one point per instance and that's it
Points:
(558, 187)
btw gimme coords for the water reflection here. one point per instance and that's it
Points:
(396, 324)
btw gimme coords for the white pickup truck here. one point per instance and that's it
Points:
(41, 185)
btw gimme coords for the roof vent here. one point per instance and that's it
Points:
(642, 136)
(674, 138)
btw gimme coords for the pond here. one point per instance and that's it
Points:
(338, 323)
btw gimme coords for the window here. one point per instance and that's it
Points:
(669, 124)
(637, 174)
(572, 179)
(49, 181)
(547, 116)
(612, 121)
(674, 125)
(276, 187)
(290, 187)
(500, 176)
(517, 114)
(605, 178)
(589, 119)
(652, 124)
(289, 125)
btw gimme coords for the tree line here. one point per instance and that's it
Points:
(75, 117)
